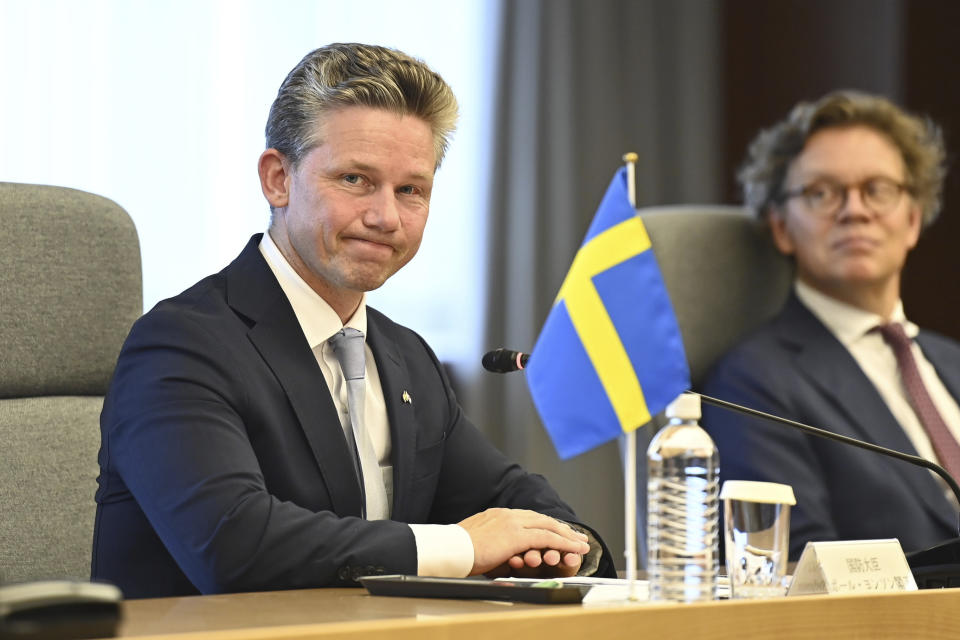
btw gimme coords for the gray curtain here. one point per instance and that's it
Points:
(581, 83)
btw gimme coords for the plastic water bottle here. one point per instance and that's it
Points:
(682, 507)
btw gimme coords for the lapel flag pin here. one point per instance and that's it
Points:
(406, 397)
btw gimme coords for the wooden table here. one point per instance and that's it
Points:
(353, 613)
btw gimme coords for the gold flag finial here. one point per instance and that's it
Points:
(631, 156)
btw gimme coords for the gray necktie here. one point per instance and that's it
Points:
(347, 345)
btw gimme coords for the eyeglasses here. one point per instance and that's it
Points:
(824, 197)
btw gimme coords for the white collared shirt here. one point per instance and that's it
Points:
(853, 328)
(442, 550)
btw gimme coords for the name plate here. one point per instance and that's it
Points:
(853, 566)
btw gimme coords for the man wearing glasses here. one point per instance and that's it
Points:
(846, 185)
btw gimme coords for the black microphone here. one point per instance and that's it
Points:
(936, 567)
(504, 361)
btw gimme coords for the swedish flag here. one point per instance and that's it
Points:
(610, 354)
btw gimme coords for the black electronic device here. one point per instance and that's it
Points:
(58, 609)
(542, 592)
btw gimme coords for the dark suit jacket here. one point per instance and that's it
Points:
(223, 466)
(795, 368)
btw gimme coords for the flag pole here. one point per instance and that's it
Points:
(630, 440)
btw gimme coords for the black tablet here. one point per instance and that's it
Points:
(543, 592)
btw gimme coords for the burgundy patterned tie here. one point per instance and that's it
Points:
(944, 444)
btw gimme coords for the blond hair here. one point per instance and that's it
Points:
(350, 74)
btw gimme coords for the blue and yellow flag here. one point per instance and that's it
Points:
(610, 354)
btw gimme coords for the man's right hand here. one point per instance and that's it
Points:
(501, 534)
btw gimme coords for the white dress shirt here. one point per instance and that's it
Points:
(442, 550)
(853, 328)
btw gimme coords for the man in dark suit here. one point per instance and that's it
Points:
(242, 450)
(846, 184)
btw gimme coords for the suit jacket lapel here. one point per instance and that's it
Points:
(829, 366)
(253, 291)
(945, 362)
(395, 381)
(945, 358)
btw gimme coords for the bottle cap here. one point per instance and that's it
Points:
(685, 407)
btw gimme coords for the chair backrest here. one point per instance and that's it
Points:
(70, 288)
(725, 278)
(723, 274)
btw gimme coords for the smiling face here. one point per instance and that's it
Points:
(853, 255)
(352, 212)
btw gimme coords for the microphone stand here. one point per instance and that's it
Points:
(823, 433)
(936, 567)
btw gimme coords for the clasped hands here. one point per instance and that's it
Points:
(521, 543)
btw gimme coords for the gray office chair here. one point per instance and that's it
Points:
(723, 274)
(70, 287)
(725, 278)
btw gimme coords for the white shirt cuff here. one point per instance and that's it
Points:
(443, 550)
